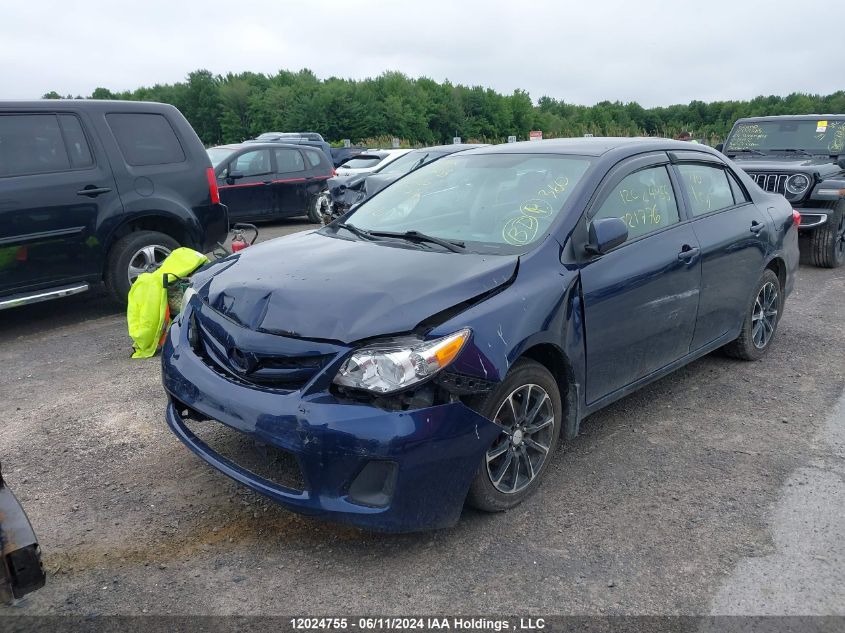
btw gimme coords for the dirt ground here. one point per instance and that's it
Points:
(668, 502)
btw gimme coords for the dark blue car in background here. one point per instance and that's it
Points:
(431, 348)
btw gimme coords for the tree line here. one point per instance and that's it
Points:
(234, 107)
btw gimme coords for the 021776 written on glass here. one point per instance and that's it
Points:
(643, 203)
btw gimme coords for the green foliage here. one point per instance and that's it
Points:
(235, 107)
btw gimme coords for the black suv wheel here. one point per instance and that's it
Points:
(133, 254)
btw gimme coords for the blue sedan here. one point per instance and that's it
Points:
(430, 348)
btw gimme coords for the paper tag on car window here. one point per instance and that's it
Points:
(821, 127)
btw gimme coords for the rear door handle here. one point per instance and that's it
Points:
(92, 192)
(756, 227)
(688, 253)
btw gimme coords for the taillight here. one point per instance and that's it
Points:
(213, 191)
(334, 172)
(796, 217)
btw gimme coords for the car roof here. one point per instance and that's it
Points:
(88, 104)
(262, 145)
(790, 117)
(592, 146)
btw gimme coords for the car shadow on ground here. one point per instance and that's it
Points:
(45, 316)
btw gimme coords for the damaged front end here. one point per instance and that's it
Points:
(345, 192)
(21, 571)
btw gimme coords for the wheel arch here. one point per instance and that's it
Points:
(778, 266)
(552, 358)
(162, 222)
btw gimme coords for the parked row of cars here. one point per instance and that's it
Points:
(95, 191)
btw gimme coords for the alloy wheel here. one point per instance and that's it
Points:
(146, 260)
(764, 318)
(527, 420)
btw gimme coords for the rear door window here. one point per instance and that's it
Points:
(289, 160)
(31, 144)
(708, 187)
(77, 146)
(145, 139)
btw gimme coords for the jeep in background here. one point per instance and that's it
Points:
(802, 158)
(96, 191)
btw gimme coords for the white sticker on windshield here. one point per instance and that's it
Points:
(821, 127)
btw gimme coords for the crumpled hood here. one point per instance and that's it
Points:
(313, 286)
(788, 164)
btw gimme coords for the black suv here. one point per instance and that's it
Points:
(803, 158)
(98, 190)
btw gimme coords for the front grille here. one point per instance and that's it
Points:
(266, 368)
(776, 183)
(262, 460)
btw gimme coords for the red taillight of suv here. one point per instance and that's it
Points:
(213, 191)
(334, 172)
(796, 217)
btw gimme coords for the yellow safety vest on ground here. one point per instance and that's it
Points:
(147, 313)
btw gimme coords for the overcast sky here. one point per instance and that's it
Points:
(653, 52)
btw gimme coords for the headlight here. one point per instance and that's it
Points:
(186, 297)
(797, 184)
(396, 364)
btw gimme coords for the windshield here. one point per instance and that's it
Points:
(408, 162)
(816, 136)
(494, 202)
(218, 155)
(361, 163)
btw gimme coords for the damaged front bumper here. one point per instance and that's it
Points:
(21, 571)
(392, 471)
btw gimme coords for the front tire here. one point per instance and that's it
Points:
(133, 254)
(827, 243)
(527, 407)
(761, 320)
(317, 208)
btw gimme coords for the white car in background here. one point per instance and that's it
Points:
(370, 161)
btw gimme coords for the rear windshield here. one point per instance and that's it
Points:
(145, 139)
(362, 163)
(218, 155)
(409, 162)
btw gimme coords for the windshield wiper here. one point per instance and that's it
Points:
(756, 152)
(452, 245)
(364, 235)
(803, 152)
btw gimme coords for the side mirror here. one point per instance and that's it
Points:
(232, 176)
(606, 234)
(719, 147)
(841, 161)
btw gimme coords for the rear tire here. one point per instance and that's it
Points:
(827, 243)
(140, 251)
(512, 468)
(762, 316)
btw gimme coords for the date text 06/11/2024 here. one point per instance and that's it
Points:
(467, 625)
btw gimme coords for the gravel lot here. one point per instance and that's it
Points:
(715, 489)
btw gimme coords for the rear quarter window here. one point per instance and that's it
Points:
(145, 139)
(312, 157)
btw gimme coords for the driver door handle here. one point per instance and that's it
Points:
(92, 192)
(688, 253)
